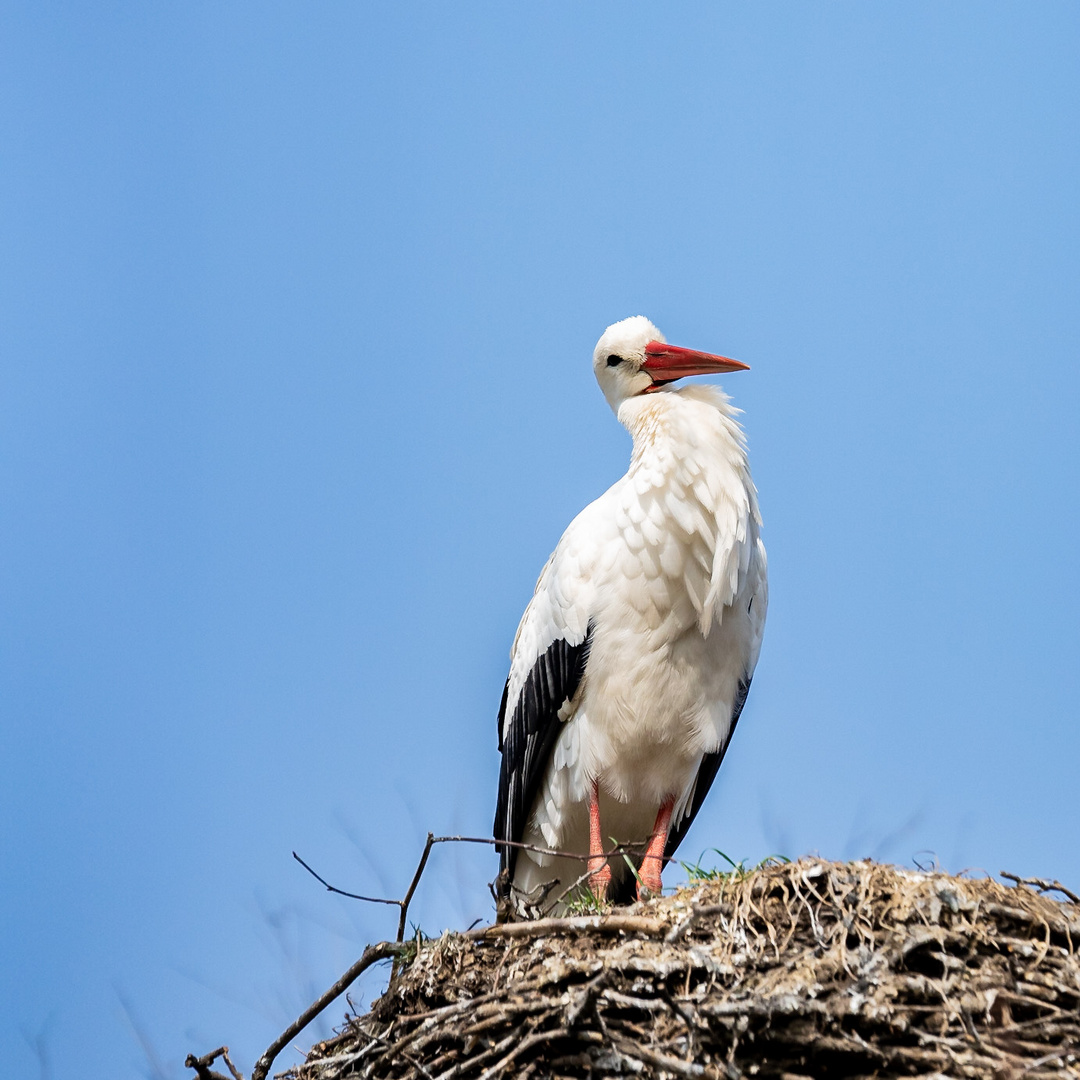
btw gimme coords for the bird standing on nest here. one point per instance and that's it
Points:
(634, 657)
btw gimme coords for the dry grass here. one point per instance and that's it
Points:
(806, 969)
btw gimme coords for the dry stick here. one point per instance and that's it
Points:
(202, 1065)
(664, 1061)
(237, 1075)
(372, 955)
(480, 1059)
(526, 1044)
(577, 924)
(342, 892)
(569, 889)
(1041, 885)
(404, 903)
(418, 1065)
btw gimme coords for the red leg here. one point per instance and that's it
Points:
(653, 862)
(599, 871)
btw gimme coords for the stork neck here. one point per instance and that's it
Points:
(669, 425)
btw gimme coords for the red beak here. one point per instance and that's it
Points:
(665, 363)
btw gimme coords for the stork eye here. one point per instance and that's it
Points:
(614, 360)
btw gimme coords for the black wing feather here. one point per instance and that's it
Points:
(534, 726)
(710, 765)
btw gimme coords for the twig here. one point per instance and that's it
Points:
(577, 924)
(202, 1065)
(418, 1065)
(404, 903)
(372, 955)
(570, 888)
(1041, 885)
(697, 912)
(531, 1040)
(237, 1075)
(670, 1064)
(342, 892)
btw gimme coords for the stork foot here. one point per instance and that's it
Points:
(649, 883)
(599, 880)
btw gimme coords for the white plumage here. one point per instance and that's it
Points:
(633, 658)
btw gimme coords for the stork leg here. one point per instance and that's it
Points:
(653, 861)
(599, 871)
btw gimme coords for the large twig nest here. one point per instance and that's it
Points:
(809, 969)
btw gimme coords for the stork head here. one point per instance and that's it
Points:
(633, 357)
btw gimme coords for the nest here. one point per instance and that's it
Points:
(805, 969)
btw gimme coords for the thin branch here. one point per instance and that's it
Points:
(237, 1075)
(569, 889)
(372, 955)
(637, 1052)
(201, 1065)
(404, 903)
(1041, 885)
(342, 892)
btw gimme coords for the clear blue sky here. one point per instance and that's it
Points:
(297, 304)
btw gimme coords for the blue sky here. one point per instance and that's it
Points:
(297, 305)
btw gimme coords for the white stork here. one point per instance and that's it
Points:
(634, 657)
